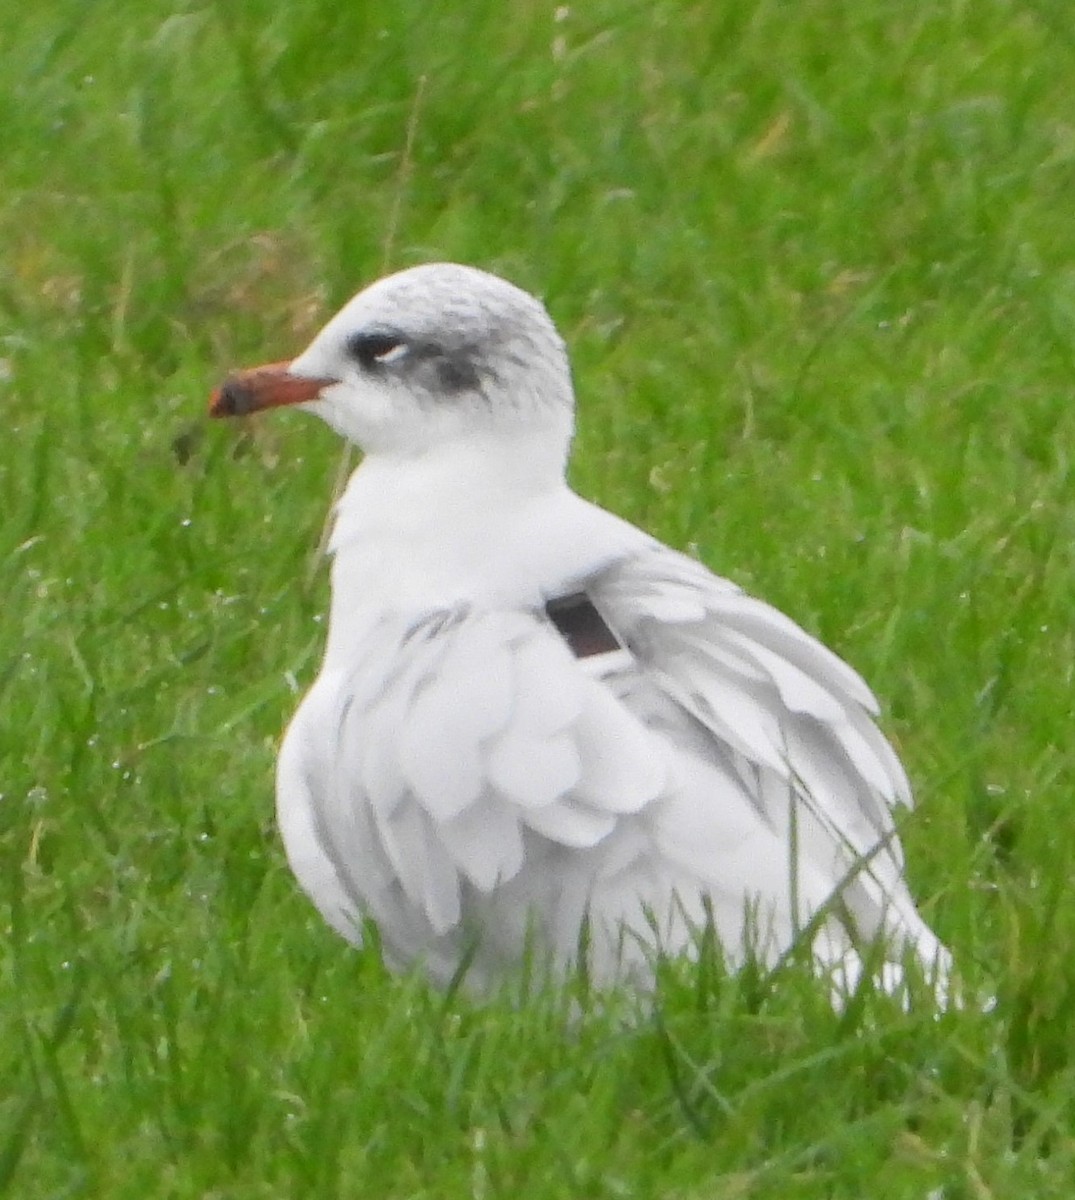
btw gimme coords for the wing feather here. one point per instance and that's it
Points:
(532, 772)
(785, 709)
(725, 706)
(726, 607)
(621, 769)
(548, 689)
(426, 873)
(570, 823)
(464, 731)
(485, 843)
(800, 692)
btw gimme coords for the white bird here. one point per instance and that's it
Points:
(536, 728)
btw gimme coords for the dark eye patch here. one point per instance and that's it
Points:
(371, 350)
(456, 371)
(446, 369)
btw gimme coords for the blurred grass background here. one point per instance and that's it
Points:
(816, 266)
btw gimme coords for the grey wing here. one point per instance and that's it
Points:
(460, 749)
(471, 768)
(791, 720)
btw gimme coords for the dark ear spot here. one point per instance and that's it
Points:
(456, 371)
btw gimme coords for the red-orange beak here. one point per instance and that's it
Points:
(269, 386)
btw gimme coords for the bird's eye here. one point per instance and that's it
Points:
(373, 350)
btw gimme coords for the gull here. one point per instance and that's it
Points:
(536, 729)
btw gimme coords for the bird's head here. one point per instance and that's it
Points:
(434, 354)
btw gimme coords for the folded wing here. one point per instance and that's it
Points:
(469, 769)
(786, 716)
(456, 743)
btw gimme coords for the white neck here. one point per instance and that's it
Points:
(414, 532)
(415, 498)
(484, 524)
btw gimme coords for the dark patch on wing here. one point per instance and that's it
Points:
(581, 625)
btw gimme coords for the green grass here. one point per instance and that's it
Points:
(816, 264)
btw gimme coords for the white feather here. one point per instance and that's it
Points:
(570, 823)
(798, 691)
(533, 772)
(485, 843)
(620, 769)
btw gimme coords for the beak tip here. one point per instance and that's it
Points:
(231, 399)
(250, 391)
